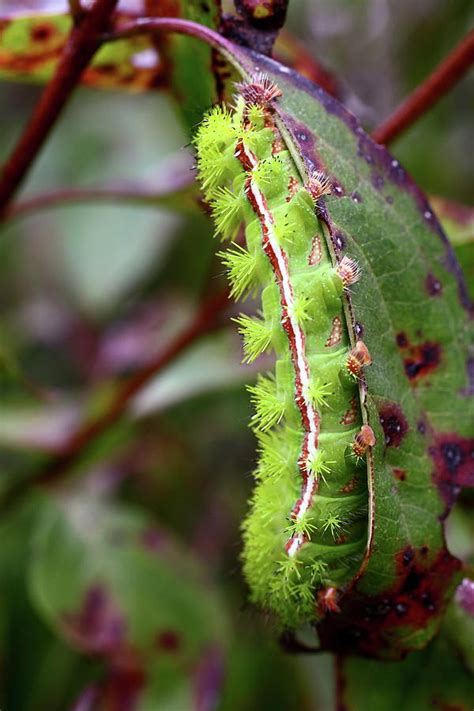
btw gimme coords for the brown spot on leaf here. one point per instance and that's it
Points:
(379, 625)
(168, 641)
(421, 427)
(402, 340)
(42, 32)
(453, 458)
(98, 627)
(394, 424)
(433, 285)
(119, 690)
(400, 474)
(421, 359)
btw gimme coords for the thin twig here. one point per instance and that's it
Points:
(76, 10)
(139, 197)
(169, 187)
(171, 24)
(79, 49)
(444, 77)
(207, 319)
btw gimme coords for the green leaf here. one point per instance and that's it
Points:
(118, 588)
(433, 678)
(412, 311)
(207, 366)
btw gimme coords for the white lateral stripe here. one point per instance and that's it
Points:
(301, 364)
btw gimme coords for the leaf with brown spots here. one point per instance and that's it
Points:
(118, 589)
(412, 310)
(432, 680)
(30, 46)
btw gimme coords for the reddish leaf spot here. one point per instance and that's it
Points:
(106, 68)
(168, 641)
(119, 690)
(376, 626)
(421, 427)
(394, 424)
(453, 457)
(356, 197)
(433, 285)
(400, 474)
(421, 359)
(42, 32)
(98, 627)
(152, 539)
(402, 340)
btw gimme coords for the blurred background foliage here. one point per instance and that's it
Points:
(89, 293)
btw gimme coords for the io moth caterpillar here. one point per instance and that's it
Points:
(306, 533)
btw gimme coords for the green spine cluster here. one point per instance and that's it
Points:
(335, 526)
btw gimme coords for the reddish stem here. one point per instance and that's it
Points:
(207, 319)
(138, 196)
(81, 45)
(444, 77)
(172, 24)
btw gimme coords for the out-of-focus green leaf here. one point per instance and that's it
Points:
(412, 311)
(40, 427)
(212, 364)
(459, 624)
(38, 669)
(118, 589)
(432, 679)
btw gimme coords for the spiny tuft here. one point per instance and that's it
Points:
(241, 268)
(226, 212)
(256, 335)
(269, 409)
(319, 392)
(300, 310)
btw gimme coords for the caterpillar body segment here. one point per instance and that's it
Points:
(306, 532)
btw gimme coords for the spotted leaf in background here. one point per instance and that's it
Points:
(32, 39)
(118, 589)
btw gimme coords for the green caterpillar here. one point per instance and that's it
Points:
(307, 530)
